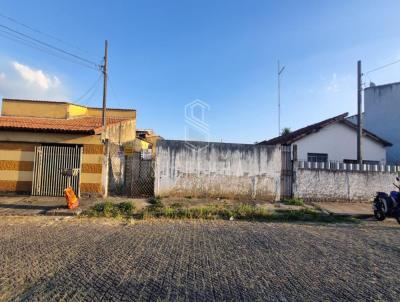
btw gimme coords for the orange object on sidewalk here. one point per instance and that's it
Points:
(72, 200)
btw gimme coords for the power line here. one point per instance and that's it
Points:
(51, 46)
(41, 32)
(383, 66)
(112, 88)
(93, 86)
(33, 45)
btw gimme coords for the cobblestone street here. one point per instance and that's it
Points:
(45, 259)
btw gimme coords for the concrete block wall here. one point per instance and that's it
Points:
(341, 185)
(236, 171)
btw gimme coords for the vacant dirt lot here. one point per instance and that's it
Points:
(79, 259)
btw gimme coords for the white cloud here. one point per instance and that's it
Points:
(339, 84)
(333, 84)
(18, 80)
(36, 77)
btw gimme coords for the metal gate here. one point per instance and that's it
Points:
(139, 176)
(286, 172)
(49, 161)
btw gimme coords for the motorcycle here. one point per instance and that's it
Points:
(385, 205)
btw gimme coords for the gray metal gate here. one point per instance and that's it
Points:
(139, 176)
(49, 162)
(286, 172)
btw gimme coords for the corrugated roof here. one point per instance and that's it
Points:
(82, 125)
(291, 137)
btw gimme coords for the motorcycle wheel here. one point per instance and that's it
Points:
(379, 215)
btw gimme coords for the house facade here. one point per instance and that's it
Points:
(333, 140)
(41, 139)
(381, 115)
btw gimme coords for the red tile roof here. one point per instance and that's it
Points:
(82, 125)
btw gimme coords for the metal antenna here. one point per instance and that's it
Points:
(280, 70)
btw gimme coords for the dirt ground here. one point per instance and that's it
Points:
(75, 259)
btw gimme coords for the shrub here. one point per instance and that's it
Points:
(109, 209)
(154, 200)
(294, 202)
(126, 208)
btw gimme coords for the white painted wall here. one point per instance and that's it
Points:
(234, 171)
(345, 186)
(339, 142)
(382, 116)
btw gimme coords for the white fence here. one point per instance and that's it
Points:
(346, 167)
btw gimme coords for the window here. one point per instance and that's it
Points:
(350, 161)
(371, 162)
(354, 161)
(317, 157)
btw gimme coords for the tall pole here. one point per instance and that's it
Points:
(359, 114)
(104, 69)
(280, 70)
(104, 188)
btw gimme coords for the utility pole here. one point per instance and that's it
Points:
(359, 114)
(104, 70)
(280, 70)
(104, 124)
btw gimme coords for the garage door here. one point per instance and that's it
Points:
(50, 161)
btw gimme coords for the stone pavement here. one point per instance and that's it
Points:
(57, 259)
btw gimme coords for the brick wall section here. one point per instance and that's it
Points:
(239, 171)
(16, 167)
(342, 186)
(92, 160)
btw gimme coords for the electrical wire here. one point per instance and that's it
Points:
(41, 32)
(381, 67)
(112, 88)
(33, 45)
(50, 46)
(93, 86)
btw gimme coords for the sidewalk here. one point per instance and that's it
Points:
(356, 209)
(43, 205)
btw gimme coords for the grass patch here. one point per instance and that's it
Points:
(294, 202)
(221, 211)
(124, 209)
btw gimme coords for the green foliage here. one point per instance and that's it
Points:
(285, 131)
(294, 202)
(108, 209)
(154, 200)
(220, 211)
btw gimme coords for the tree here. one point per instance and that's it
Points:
(286, 130)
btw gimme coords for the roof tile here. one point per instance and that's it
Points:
(86, 125)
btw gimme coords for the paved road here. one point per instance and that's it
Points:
(78, 259)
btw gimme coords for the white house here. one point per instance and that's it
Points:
(381, 115)
(333, 140)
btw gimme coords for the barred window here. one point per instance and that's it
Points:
(317, 157)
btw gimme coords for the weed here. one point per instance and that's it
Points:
(109, 209)
(294, 202)
(221, 211)
(154, 200)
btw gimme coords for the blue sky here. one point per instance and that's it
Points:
(165, 54)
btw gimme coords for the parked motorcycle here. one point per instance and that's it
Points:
(385, 205)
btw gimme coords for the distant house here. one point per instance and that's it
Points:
(333, 140)
(381, 115)
(41, 140)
